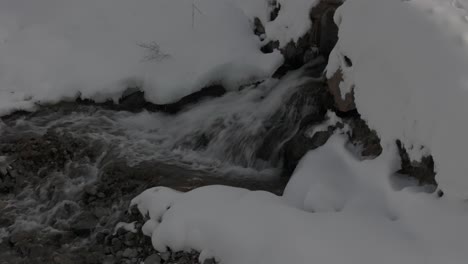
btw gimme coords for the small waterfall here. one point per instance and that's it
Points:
(69, 169)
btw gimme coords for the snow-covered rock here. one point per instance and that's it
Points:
(408, 71)
(336, 209)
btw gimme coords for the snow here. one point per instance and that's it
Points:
(336, 209)
(53, 50)
(409, 69)
(57, 50)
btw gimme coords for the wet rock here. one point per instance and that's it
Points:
(63, 259)
(5, 220)
(129, 253)
(319, 40)
(276, 9)
(363, 137)
(37, 251)
(100, 212)
(306, 106)
(325, 33)
(132, 100)
(270, 47)
(209, 261)
(422, 170)
(84, 224)
(109, 260)
(153, 259)
(341, 104)
(22, 236)
(136, 101)
(116, 244)
(41, 154)
(90, 190)
(165, 255)
(259, 29)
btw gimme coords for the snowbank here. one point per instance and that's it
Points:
(409, 65)
(52, 49)
(358, 218)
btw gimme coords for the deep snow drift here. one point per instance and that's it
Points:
(336, 209)
(54, 50)
(409, 72)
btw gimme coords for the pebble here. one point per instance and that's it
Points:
(129, 253)
(209, 261)
(165, 255)
(153, 259)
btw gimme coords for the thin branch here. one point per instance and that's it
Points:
(153, 51)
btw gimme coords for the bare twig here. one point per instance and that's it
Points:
(153, 51)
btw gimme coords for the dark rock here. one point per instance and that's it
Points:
(422, 170)
(109, 260)
(259, 29)
(116, 244)
(209, 261)
(136, 101)
(5, 220)
(37, 251)
(348, 62)
(343, 105)
(307, 106)
(328, 35)
(270, 47)
(100, 212)
(63, 259)
(91, 190)
(165, 255)
(129, 253)
(276, 9)
(319, 40)
(364, 137)
(132, 100)
(21, 236)
(153, 259)
(84, 224)
(130, 239)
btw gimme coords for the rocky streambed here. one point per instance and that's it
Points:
(68, 173)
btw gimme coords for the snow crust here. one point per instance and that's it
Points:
(336, 209)
(409, 72)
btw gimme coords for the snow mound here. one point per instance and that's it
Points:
(373, 224)
(57, 50)
(408, 64)
(53, 50)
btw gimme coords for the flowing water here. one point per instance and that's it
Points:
(68, 171)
